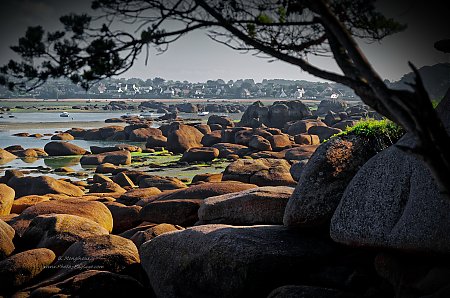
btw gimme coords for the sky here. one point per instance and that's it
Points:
(197, 58)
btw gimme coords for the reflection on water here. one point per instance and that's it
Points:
(62, 161)
(29, 159)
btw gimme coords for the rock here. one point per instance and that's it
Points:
(208, 189)
(109, 131)
(308, 292)
(100, 178)
(59, 231)
(260, 143)
(334, 105)
(123, 180)
(302, 126)
(162, 183)
(63, 149)
(344, 124)
(62, 137)
(227, 261)
(7, 195)
(92, 134)
(105, 168)
(280, 142)
(64, 170)
(183, 137)
(143, 236)
(92, 210)
(108, 252)
(262, 172)
(300, 153)
(129, 147)
(393, 202)
(226, 149)
(244, 136)
(42, 185)
(307, 139)
(6, 237)
(98, 150)
(323, 132)
(181, 212)
(261, 205)
(124, 217)
(276, 115)
(223, 121)
(10, 174)
(156, 141)
(121, 157)
(21, 268)
(212, 138)
(203, 128)
(23, 203)
(297, 169)
(324, 179)
(5, 156)
(94, 283)
(27, 153)
(141, 134)
(132, 196)
(207, 177)
(106, 187)
(200, 154)
(77, 133)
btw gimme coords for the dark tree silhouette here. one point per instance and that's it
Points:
(289, 30)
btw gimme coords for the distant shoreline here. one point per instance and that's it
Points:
(49, 125)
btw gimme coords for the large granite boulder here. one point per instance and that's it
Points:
(262, 172)
(17, 270)
(223, 121)
(63, 148)
(121, 157)
(161, 183)
(182, 137)
(324, 179)
(7, 195)
(62, 137)
(393, 202)
(6, 156)
(212, 138)
(334, 105)
(42, 185)
(93, 283)
(227, 261)
(261, 205)
(142, 134)
(58, 231)
(292, 291)
(200, 154)
(6, 236)
(205, 190)
(302, 126)
(181, 212)
(226, 149)
(276, 115)
(92, 210)
(108, 252)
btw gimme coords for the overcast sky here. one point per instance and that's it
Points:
(196, 58)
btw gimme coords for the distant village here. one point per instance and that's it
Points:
(212, 89)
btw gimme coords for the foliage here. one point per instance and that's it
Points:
(385, 132)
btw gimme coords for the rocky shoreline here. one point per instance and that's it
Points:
(296, 211)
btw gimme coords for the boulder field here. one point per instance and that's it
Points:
(294, 211)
